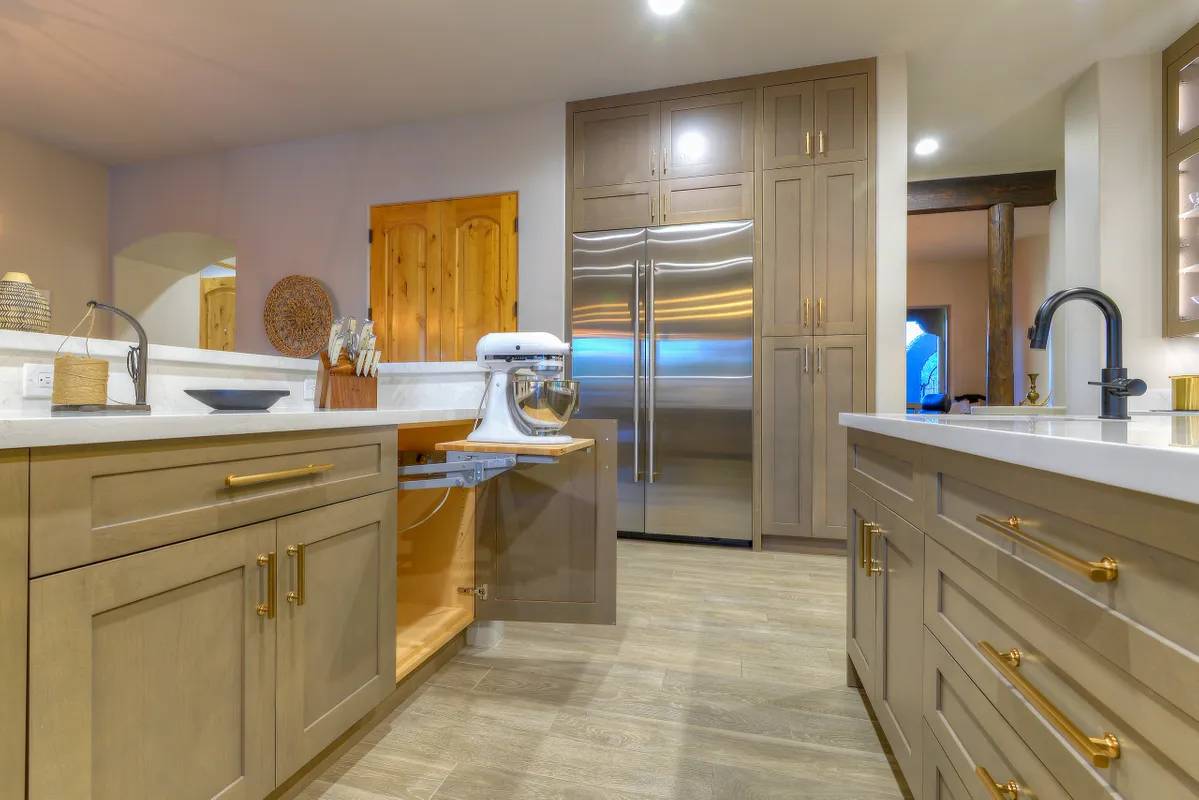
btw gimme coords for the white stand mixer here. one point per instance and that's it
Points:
(527, 401)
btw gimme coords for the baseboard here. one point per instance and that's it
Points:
(292, 787)
(817, 547)
(669, 537)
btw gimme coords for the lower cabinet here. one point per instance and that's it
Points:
(214, 667)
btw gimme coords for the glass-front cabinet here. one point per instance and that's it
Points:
(1181, 179)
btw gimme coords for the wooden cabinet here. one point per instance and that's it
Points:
(443, 273)
(606, 208)
(839, 385)
(839, 241)
(336, 623)
(787, 218)
(939, 779)
(715, 198)
(861, 639)
(14, 618)
(153, 675)
(840, 109)
(711, 134)
(788, 127)
(614, 146)
(1180, 178)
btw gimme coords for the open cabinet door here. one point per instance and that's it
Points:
(546, 536)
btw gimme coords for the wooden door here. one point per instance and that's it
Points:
(787, 436)
(862, 607)
(443, 273)
(608, 208)
(840, 112)
(337, 612)
(152, 675)
(839, 385)
(479, 272)
(708, 135)
(14, 617)
(899, 646)
(546, 537)
(788, 127)
(218, 313)
(839, 257)
(714, 198)
(787, 215)
(406, 280)
(614, 146)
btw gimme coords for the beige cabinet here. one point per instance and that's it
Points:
(787, 436)
(708, 135)
(787, 218)
(714, 198)
(153, 675)
(839, 385)
(839, 242)
(14, 618)
(788, 127)
(861, 640)
(939, 778)
(606, 208)
(615, 146)
(840, 117)
(336, 623)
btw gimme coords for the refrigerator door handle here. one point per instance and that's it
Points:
(637, 347)
(652, 342)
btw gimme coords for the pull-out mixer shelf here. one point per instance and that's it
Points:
(469, 463)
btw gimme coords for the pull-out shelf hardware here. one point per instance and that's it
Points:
(468, 464)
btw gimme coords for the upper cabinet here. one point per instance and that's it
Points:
(840, 116)
(1180, 177)
(708, 135)
(839, 241)
(613, 146)
(788, 127)
(1182, 100)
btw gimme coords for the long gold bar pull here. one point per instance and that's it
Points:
(296, 551)
(807, 311)
(820, 312)
(807, 143)
(995, 789)
(1104, 570)
(269, 561)
(874, 567)
(862, 543)
(820, 142)
(234, 481)
(1099, 750)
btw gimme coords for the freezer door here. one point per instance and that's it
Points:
(699, 391)
(605, 289)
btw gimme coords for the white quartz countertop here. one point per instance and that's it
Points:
(1154, 454)
(40, 429)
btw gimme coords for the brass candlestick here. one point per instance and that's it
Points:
(1033, 395)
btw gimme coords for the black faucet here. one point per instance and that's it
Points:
(1115, 385)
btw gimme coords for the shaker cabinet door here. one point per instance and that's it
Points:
(786, 302)
(708, 135)
(123, 706)
(788, 128)
(607, 208)
(786, 465)
(839, 385)
(614, 146)
(839, 243)
(840, 109)
(715, 198)
(337, 633)
(861, 611)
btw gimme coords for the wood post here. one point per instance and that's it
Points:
(1000, 245)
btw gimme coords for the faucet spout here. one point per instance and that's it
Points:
(137, 362)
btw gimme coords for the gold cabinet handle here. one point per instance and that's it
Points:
(820, 142)
(820, 312)
(296, 551)
(653, 161)
(807, 143)
(236, 481)
(1104, 570)
(652, 210)
(807, 311)
(863, 547)
(866, 559)
(874, 567)
(995, 789)
(1098, 750)
(269, 561)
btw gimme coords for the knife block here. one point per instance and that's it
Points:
(338, 387)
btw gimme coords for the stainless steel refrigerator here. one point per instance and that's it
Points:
(662, 332)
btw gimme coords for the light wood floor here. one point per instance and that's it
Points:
(723, 679)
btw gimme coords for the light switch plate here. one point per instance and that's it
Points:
(37, 380)
(309, 388)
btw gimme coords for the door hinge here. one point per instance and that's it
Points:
(480, 592)
(516, 224)
(515, 307)
(370, 235)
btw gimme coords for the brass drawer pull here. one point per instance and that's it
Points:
(995, 789)
(807, 143)
(268, 560)
(1098, 750)
(866, 559)
(807, 311)
(296, 551)
(820, 142)
(1104, 570)
(236, 481)
(820, 313)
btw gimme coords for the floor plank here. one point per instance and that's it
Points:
(723, 679)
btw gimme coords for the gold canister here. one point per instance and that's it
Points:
(1186, 392)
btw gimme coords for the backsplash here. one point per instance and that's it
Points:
(457, 384)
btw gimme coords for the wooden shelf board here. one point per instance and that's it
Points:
(422, 630)
(507, 448)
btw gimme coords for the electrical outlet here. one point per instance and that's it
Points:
(309, 388)
(37, 380)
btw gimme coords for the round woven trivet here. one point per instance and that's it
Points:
(297, 316)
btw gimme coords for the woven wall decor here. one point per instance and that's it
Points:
(297, 316)
(22, 307)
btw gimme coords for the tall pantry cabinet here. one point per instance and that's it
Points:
(793, 151)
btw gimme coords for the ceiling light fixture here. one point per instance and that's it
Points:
(664, 8)
(926, 146)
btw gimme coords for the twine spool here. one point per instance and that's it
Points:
(80, 381)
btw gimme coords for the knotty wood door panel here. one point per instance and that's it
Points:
(218, 313)
(405, 278)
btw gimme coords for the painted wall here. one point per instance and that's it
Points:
(53, 225)
(303, 206)
(165, 301)
(891, 234)
(963, 287)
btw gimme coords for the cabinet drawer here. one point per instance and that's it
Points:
(1058, 689)
(888, 470)
(88, 504)
(1132, 620)
(940, 779)
(974, 735)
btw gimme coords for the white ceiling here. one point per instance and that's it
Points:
(126, 80)
(961, 237)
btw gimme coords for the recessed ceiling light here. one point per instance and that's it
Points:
(664, 8)
(926, 146)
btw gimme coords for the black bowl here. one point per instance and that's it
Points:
(238, 399)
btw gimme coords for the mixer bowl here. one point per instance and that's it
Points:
(543, 406)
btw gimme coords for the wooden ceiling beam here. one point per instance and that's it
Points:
(978, 192)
